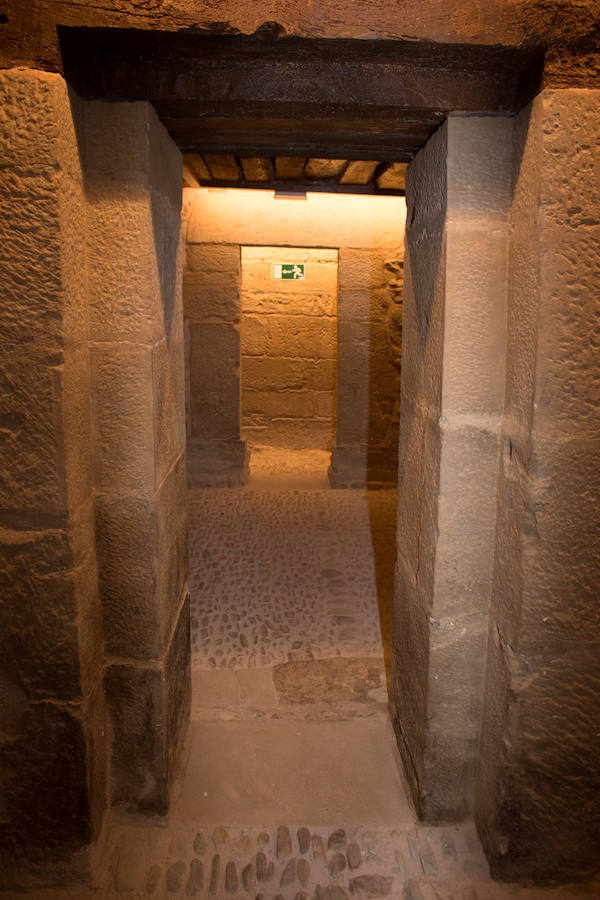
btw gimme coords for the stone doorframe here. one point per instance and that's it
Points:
(369, 325)
(496, 613)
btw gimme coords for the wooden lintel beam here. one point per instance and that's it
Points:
(302, 186)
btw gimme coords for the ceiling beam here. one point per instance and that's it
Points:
(246, 96)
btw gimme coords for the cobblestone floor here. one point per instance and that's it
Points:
(283, 575)
(292, 788)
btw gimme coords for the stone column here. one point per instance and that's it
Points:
(458, 193)
(216, 454)
(52, 749)
(369, 355)
(539, 778)
(133, 192)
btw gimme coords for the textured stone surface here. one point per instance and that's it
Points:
(132, 178)
(303, 584)
(288, 363)
(149, 710)
(458, 194)
(287, 325)
(49, 621)
(214, 381)
(538, 770)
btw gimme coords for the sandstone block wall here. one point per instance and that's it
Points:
(369, 363)
(133, 193)
(289, 348)
(367, 233)
(458, 193)
(211, 292)
(94, 619)
(539, 782)
(51, 699)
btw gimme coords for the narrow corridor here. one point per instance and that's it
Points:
(292, 786)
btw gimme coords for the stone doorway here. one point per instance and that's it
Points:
(288, 334)
(477, 183)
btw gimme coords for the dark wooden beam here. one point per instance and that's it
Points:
(325, 98)
(303, 185)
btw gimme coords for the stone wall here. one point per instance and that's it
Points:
(94, 620)
(51, 698)
(133, 194)
(537, 805)
(458, 195)
(368, 234)
(289, 349)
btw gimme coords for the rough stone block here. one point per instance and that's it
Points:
(217, 463)
(254, 336)
(348, 465)
(122, 380)
(38, 614)
(142, 559)
(136, 703)
(292, 404)
(293, 434)
(216, 258)
(363, 304)
(124, 277)
(479, 165)
(172, 545)
(300, 336)
(475, 316)
(214, 381)
(168, 391)
(361, 270)
(41, 137)
(205, 300)
(178, 688)
(352, 410)
(294, 301)
(32, 474)
(77, 425)
(149, 712)
(35, 312)
(129, 567)
(45, 788)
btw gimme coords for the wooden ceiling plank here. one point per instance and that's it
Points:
(324, 168)
(359, 171)
(392, 177)
(222, 167)
(197, 166)
(289, 167)
(256, 168)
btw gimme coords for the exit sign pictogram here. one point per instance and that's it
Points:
(287, 272)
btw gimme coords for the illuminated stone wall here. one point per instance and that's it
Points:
(367, 234)
(94, 620)
(539, 779)
(289, 348)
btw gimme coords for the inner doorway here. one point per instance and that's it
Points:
(288, 335)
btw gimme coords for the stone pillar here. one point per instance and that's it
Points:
(216, 454)
(539, 778)
(133, 192)
(458, 192)
(369, 357)
(52, 749)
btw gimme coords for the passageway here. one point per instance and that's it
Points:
(292, 786)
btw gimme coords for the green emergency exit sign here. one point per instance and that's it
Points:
(288, 272)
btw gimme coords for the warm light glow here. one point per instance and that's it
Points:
(350, 220)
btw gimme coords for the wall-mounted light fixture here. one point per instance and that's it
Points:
(289, 195)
